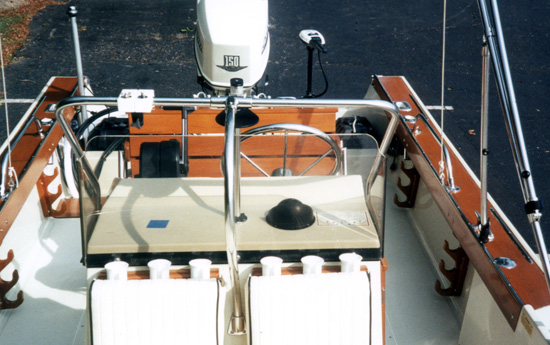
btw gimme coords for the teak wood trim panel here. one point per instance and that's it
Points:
(184, 273)
(292, 270)
(205, 151)
(511, 288)
(202, 120)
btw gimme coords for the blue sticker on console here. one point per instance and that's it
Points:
(157, 224)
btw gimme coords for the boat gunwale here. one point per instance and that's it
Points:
(499, 282)
(11, 206)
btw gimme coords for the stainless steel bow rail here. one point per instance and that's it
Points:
(231, 156)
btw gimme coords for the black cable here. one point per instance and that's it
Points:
(88, 122)
(324, 75)
(312, 95)
(80, 133)
(106, 153)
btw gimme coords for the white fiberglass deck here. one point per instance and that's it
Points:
(53, 281)
(54, 285)
(415, 312)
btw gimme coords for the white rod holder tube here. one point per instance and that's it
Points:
(312, 264)
(159, 269)
(117, 270)
(271, 266)
(350, 262)
(200, 269)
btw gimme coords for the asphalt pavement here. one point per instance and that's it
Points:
(149, 44)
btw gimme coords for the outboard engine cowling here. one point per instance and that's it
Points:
(231, 41)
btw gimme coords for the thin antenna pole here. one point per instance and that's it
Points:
(5, 99)
(442, 158)
(9, 170)
(72, 12)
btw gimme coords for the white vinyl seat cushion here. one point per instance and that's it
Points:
(330, 308)
(147, 312)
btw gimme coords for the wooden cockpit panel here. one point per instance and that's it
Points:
(205, 151)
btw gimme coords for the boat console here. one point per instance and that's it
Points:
(138, 221)
(180, 219)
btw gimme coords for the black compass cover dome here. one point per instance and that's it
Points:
(290, 214)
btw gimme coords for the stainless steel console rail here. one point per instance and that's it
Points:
(231, 155)
(219, 102)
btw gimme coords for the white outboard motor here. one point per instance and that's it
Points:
(231, 41)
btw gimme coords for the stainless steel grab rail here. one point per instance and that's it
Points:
(231, 170)
(4, 192)
(450, 186)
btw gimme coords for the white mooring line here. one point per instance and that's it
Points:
(438, 107)
(17, 100)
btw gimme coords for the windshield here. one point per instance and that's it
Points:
(175, 182)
